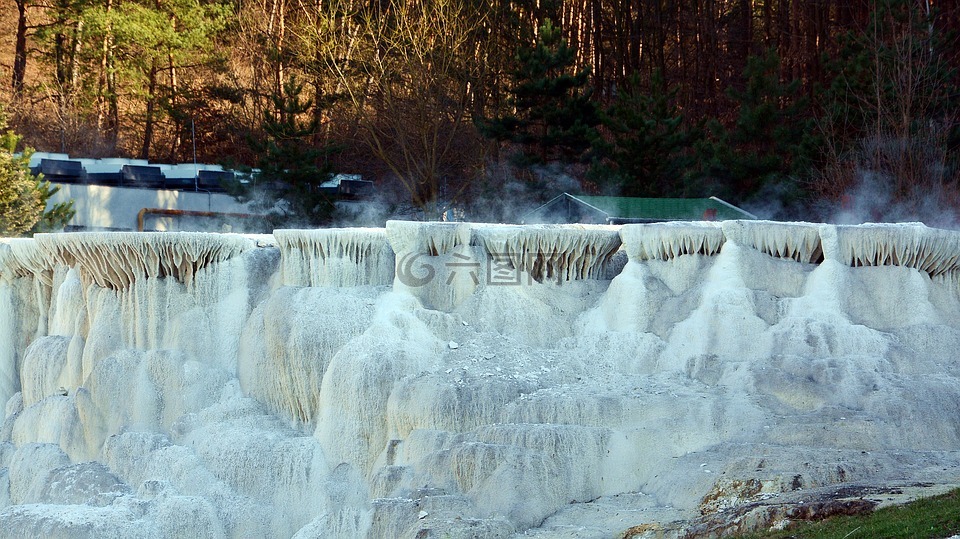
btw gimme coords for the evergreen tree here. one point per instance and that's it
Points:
(889, 111)
(649, 147)
(768, 147)
(128, 65)
(292, 166)
(554, 119)
(23, 196)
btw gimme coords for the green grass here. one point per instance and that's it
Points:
(934, 517)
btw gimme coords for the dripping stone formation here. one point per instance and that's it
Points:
(470, 380)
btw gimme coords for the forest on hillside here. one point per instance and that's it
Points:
(798, 107)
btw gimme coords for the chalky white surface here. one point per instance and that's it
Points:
(380, 382)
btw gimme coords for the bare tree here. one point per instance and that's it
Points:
(895, 128)
(407, 71)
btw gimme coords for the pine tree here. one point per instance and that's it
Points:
(768, 147)
(554, 120)
(291, 164)
(128, 65)
(23, 196)
(649, 146)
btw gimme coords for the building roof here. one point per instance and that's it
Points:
(617, 210)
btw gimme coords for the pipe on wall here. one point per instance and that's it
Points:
(188, 213)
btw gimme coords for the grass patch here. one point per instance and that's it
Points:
(934, 517)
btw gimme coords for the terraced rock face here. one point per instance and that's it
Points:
(468, 380)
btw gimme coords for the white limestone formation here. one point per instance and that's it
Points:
(335, 257)
(666, 241)
(796, 241)
(553, 253)
(115, 260)
(468, 380)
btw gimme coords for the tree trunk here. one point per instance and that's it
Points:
(113, 105)
(177, 135)
(75, 57)
(599, 69)
(106, 97)
(20, 49)
(276, 29)
(796, 53)
(60, 45)
(746, 30)
(151, 104)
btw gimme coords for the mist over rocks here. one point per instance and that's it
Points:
(606, 381)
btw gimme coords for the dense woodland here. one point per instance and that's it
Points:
(797, 107)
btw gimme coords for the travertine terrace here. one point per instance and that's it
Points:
(472, 380)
